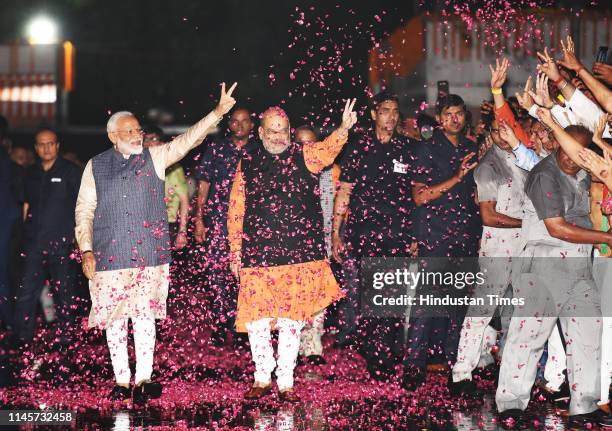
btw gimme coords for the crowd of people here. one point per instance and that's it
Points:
(286, 221)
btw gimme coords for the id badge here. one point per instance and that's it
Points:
(399, 167)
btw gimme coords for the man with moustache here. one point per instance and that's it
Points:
(215, 175)
(51, 187)
(122, 231)
(447, 226)
(277, 245)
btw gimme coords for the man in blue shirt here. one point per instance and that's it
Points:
(215, 175)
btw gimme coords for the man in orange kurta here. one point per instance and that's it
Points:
(275, 228)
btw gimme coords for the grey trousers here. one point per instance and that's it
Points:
(575, 303)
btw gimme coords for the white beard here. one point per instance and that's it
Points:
(125, 148)
(275, 148)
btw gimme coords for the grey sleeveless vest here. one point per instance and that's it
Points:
(130, 228)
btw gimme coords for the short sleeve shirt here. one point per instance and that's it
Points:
(51, 197)
(381, 199)
(218, 168)
(498, 179)
(553, 193)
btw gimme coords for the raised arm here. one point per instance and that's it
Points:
(502, 109)
(166, 155)
(566, 141)
(598, 88)
(319, 155)
(601, 167)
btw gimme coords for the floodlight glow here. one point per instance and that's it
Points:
(42, 31)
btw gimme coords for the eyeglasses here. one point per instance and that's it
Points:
(136, 132)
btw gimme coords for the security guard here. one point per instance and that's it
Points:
(51, 189)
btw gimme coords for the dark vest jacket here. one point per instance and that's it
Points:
(130, 227)
(283, 221)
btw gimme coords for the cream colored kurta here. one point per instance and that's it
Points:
(132, 292)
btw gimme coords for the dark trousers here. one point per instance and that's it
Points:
(439, 329)
(383, 337)
(39, 264)
(222, 285)
(6, 228)
(224, 289)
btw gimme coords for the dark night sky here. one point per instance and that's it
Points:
(141, 54)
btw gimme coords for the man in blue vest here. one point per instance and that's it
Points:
(122, 231)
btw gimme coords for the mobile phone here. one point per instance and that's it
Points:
(442, 88)
(602, 55)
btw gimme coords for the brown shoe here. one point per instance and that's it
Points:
(437, 368)
(256, 392)
(288, 395)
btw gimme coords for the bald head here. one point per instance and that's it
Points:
(274, 130)
(274, 115)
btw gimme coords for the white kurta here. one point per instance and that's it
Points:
(132, 292)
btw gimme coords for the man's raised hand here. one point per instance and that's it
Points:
(548, 66)
(542, 96)
(525, 100)
(570, 61)
(226, 101)
(349, 117)
(500, 73)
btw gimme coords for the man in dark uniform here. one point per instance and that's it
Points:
(375, 188)
(215, 175)
(51, 189)
(447, 225)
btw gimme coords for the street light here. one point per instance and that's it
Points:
(42, 30)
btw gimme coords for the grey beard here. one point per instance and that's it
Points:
(276, 149)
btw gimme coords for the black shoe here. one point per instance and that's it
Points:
(511, 415)
(606, 421)
(121, 394)
(315, 360)
(588, 420)
(146, 391)
(562, 396)
(464, 389)
(413, 378)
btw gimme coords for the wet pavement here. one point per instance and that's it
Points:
(207, 394)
